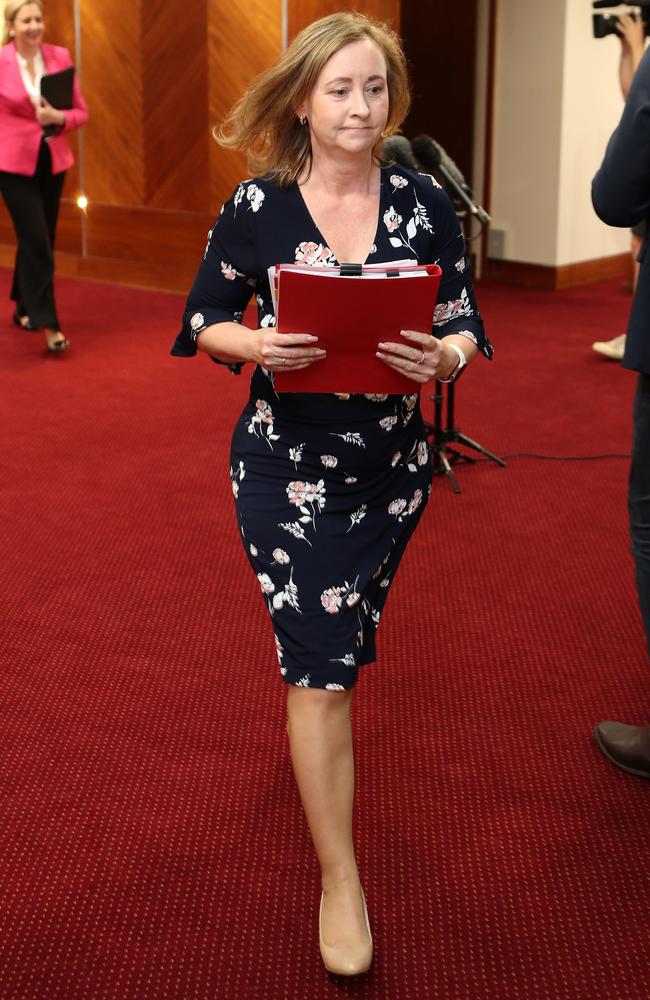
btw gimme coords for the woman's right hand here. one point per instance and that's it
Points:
(285, 351)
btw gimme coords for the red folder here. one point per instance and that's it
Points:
(350, 315)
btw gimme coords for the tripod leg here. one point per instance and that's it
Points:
(440, 463)
(458, 456)
(463, 439)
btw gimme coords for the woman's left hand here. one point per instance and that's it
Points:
(47, 115)
(421, 357)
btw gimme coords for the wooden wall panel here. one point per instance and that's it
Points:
(166, 239)
(303, 12)
(68, 230)
(157, 75)
(243, 38)
(175, 107)
(112, 84)
(59, 23)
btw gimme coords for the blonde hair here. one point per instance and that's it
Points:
(11, 9)
(264, 120)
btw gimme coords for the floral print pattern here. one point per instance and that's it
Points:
(419, 220)
(314, 253)
(392, 220)
(261, 423)
(445, 311)
(255, 197)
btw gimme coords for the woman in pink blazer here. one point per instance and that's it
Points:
(32, 168)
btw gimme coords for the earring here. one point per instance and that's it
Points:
(302, 119)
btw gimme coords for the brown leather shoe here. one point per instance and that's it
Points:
(628, 747)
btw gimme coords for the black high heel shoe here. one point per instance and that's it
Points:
(56, 346)
(18, 320)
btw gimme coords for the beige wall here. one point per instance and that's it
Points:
(591, 107)
(557, 100)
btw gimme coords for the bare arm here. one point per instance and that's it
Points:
(266, 347)
(632, 47)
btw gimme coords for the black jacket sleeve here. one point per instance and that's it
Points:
(620, 191)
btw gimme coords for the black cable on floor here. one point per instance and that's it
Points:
(558, 458)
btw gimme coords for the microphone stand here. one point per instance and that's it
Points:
(443, 458)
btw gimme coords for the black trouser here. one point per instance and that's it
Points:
(639, 498)
(33, 204)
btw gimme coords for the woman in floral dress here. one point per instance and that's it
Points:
(329, 487)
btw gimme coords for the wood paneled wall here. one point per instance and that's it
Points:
(157, 75)
(303, 12)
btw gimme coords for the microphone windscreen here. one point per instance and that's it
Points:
(398, 148)
(427, 153)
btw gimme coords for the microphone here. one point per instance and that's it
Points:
(433, 158)
(398, 148)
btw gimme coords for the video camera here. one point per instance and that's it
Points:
(605, 24)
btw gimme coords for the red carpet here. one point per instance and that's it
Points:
(150, 844)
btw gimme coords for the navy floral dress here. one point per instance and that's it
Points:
(328, 488)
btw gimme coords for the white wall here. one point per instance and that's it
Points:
(557, 100)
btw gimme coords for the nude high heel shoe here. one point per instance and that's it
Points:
(344, 961)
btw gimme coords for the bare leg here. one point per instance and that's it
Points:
(320, 738)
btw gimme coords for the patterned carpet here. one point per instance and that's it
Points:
(151, 844)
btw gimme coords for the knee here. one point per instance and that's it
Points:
(316, 702)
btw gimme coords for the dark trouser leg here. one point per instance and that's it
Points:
(639, 498)
(51, 189)
(33, 203)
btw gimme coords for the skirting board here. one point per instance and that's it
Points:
(139, 274)
(543, 278)
(135, 274)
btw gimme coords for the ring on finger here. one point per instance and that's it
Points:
(419, 362)
(283, 361)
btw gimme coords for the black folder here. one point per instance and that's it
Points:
(57, 89)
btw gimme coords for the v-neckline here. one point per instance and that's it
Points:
(322, 236)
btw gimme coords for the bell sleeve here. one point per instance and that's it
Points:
(226, 278)
(456, 310)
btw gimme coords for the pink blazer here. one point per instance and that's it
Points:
(20, 133)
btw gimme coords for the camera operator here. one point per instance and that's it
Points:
(621, 197)
(630, 28)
